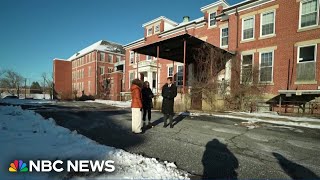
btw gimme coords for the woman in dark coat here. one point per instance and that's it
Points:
(147, 96)
(169, 92)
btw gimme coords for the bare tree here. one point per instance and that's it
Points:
(47, 84)
(246, 90)
(210, 63)
(11, 81)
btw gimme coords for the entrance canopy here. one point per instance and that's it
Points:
(175, 48)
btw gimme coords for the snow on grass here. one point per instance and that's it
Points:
(121, 104)
(26, 101)
(267, 118)
(28, 136)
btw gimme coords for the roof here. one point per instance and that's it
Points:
(133, 42)
(172, 48)
(101, 45)
(158, 19)
(217, 3)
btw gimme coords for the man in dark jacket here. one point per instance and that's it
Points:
(169, 92)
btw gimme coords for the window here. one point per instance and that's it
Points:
(157, 28)
(224, 37)
(149, 31)
(89, 57)
(170, 71)
(148, 58)
(131, 57)
(137, 57)
(102, 56)
(248, 28)
(307, 54)
(306, 67)
(308, 13)
(101, 70)
(110, 58)
(212, 19)
(110, 70)
(267, 23)
(89, 87)
(89, 71)
(180, 76)
(266, 67)
(246, 68)
(118, 58)
(131, 77)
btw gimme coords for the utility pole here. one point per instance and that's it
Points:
(44, 86)
(25, 88)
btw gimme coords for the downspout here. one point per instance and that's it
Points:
(237, 14)
(96, 72)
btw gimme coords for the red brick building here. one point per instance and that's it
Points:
(95, 70)
(278, 37)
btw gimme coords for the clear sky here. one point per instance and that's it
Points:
(34, 32)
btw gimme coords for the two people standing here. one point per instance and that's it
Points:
(142, 100)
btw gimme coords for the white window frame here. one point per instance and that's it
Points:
(209, 19)
(110, 55)
(104, 56)
(101, 67)
(260, 54)
(154, 29)
(247, 54)
(110, 70)
(274, 23)
(130, 80)
(151, 32)
(149, 58)
(300, 11)
(118, 58)
(315, 52)
(169, 71)
(89, 87)
(178, 74)
(225, 46)
(89, 71)
(254, 29)
(131, 57)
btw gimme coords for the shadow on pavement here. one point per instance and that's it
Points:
(99, 126)
(294, 170)
(176, 120)
(218, 162)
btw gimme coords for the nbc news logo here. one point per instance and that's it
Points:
(18, 166)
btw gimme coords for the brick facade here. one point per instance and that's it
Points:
(283, 43)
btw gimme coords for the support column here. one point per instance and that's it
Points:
(184, 66)
(157, 81)
(135, 60)
(149, 78)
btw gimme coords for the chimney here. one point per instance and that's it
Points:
(185, 19)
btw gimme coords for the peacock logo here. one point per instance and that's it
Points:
(18, 166)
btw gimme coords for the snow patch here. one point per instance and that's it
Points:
(121, 104)
(27, 135)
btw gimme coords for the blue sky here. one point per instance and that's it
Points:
(34, 32)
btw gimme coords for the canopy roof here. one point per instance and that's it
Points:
(173, 48)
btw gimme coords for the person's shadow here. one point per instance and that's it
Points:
(175, 121)
(294, 170)
(218, 162)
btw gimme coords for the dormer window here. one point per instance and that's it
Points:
(212, 19)
(157, 28)
(149, 31)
